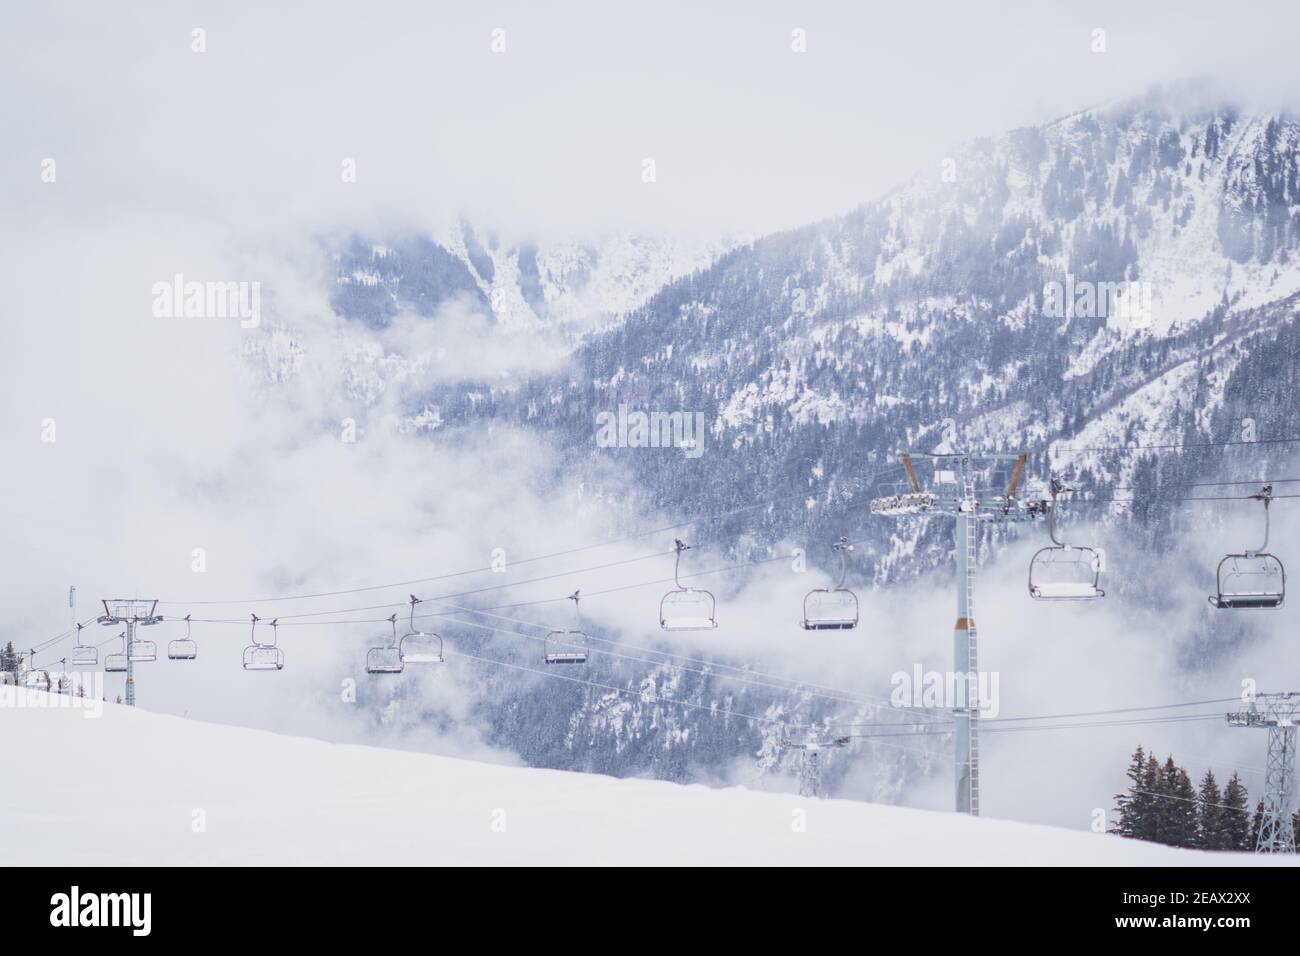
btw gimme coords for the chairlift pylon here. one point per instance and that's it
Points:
(1251, 579)
(264, 657)
(1064, 572)
(683, 608)
(385, 658)
(183, 648)
(419, 647)
(84, 655)
(567, 646)
(834, 608)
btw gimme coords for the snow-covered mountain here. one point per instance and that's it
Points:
(817, 355)
(566, 284)
(820, 354)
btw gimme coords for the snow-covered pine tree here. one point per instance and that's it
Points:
(9, 660)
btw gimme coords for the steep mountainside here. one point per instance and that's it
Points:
(566, 285)
(932, 314)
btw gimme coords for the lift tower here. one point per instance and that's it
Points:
(970, 488)
(810, 747)
(1276, 834)
(131, 612)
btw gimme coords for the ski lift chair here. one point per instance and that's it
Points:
(142, 651)
(836, 608)
(567, 646)
(683, 608)
(116, 663)
(264, 657)
(1253, 579)
(1064, 572)
(84, 655)
(419, 647)
(183, 648)
(385, 658)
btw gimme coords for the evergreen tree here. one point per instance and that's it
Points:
(1180, 827)
(9, 659)
(1133, 809)
(1236, 818)
(1153, 821)
(1256, 825)
(1211, 833)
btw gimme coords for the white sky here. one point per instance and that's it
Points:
(747, 135)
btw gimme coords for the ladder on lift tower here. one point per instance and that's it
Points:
(972, 660)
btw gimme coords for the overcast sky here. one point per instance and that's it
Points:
(747, 135)
(227, 164)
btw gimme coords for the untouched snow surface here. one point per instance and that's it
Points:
(67, 797)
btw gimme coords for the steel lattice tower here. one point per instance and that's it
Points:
(810, 766)
(971, 488)
(1276, 832)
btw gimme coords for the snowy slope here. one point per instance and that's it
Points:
(68, 798)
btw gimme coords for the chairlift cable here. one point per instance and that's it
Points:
(703, 673)
(541, 557)
(645, 695)
(743, 672)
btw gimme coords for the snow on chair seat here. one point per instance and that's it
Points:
(1065, 590)
(1064, 572)
(836, 608)
(419, 647)
(686, 609)
(183, 648)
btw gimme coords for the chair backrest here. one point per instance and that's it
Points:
(182, 649)
(263, 657)
(419, 647)
(830, 609)
(687, 609)
(566, 647)
(383, 660)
